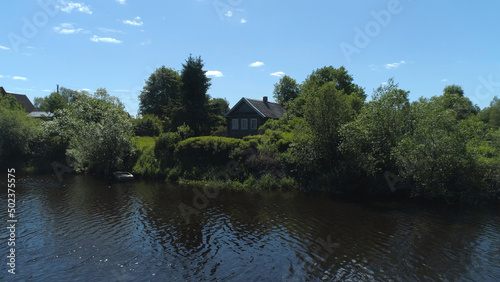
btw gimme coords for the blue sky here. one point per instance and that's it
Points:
(247, 45)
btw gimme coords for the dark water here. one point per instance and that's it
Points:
(86, 230)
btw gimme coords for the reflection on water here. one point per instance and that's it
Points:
(89, 230)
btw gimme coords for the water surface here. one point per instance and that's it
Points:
(85, 229)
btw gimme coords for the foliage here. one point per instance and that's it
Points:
(368, 141)
(101, 143)
(207, 150)
(286, 90)
(491, 114)
(195, 85)
(17, 130)
(434, 155)
(144, 142)
(185, 131)
(164, 149)
(53, 102)
(147, 165)
(453, 99)
(343, 81)
(218, 107)
(327, 109)
(148, 125)
(161, 95)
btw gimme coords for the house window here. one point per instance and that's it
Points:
(253, 123)
(244, 124)
(235, 124)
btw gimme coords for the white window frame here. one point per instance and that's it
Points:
(252, 123)
(244, 124)
(235, 124)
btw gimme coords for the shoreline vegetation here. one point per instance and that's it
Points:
(331, 139)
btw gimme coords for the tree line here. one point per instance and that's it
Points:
(330, 139)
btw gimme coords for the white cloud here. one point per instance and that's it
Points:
(68, 6)
(256, 64)
(103, 29)
(19, 78)
(214, 73)
(123, 2)
(146, 42)
(444, 80)
(278, 74)
(46, 90)
(135, 22)
(228, 14)
(67, 28)
(4, 48)
(394, 65)
(1, 76)
(85, 89)
(96, 38)
(243, 21)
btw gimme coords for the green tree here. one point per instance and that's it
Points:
(195, 85)
(286, 90)
(17, 130)
(217, 108)
(434, 154)
(368, 142)
(148, 125)
(342, 79)
(326, 110)
(453, 89)
(53, 102)
(161, 96)
(72, 95)
(491, 114)
(453, 98)
(101, 142)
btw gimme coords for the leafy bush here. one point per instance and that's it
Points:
(165, 147)
(16, 132)
(149, 125)
(208, 152)
(147, 165)
(434, 155)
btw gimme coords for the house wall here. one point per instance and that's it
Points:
(240, 133)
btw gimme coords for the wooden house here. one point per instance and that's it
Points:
(21, 99)
(248, 114)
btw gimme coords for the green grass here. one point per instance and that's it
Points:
(143, 142)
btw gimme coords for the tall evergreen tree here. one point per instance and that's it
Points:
(195, 85)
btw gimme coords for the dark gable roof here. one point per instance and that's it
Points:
(263, 109)
(268, 109)
(21, 99)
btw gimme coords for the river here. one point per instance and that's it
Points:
(84, 229)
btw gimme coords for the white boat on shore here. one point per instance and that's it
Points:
(123, 176)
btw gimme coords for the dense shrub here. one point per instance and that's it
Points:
(147, 165)
(165, 147)
(149, 125)
(203, 154)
